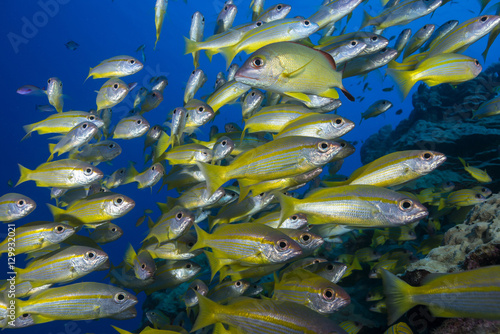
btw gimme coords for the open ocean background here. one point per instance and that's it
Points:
(33, 34)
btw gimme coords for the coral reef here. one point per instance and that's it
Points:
(442, 121)
(473, 244)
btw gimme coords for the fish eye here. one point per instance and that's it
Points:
(156, 127)
(479, 196)
(406, 204)
(204, 153)
(25, 315)
(225, 8)
(329, 267)
(48, 81)
(90, 255)
(261, 195)
(374, 38)
(253, 94)
(307, 22)
(306, 237)
(194, 71)
(139, 121)
(339, 121)
(153, 168)
(383, 50)
(354, 43)
(111, 145)
(237, 283)
(477, 62)
(119, 297)
(179, 215)
(143, 266)
(329, 294)
(258, 62)
(484, 190)
(153, 95)
(316, 261)
(85, 125)
(60, 85)
(201, 109)
(115, 86)
(113, 229)
(175, 111)
(282, 244)
(92, 118)
(258, 23)
(427, 155)
(88, 171)
(190, 244)
(323, 146)
(118, 201)
(343, 144)
(59, 229)
(424, 27)
(294, 217)
(484, 18)
(279, 7)
(121, 170)
(20, 203)
(223, 143)
(131, 61)
(188, 265)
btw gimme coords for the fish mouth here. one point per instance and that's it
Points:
(239, 75)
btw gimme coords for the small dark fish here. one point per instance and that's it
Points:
(365, 86)
(392, 37)
(71, 45)
(361, 99)
(399, 112)
(45, 108)
(388, 89)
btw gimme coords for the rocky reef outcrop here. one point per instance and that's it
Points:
(442, 121)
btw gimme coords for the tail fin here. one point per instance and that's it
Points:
(398, 296)
(56, 212)
(25, 173)
(215, 176)
(208, 312)
(88, 76)
(130, 175)
(51, 149)
(201, 237)
(462, 161)
(229, 53)
(191, 46)
(161, 146)
(130, 255)
(366, 19)
(287, 204)
(215, 264)
(403, 79)
(121, 331)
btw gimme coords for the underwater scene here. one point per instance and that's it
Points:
(250, 166)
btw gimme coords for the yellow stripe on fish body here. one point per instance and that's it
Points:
(66, 173)
(400, 328)
(280, 158)
(260, 316)
(488, 108)
(160, 10)
(272, 32)
(324, 126)
(464, 34)
(464, 197)
(274, 118)
(229, 92)
(480, 175)
(115, 67)
(38, 235)
(442, 68)
(62, 266)
(395, 168)
(80, 301)
(360, 206)
(469, 294)
(62, 122)
(351, 327)
(96, 208)
(187, 154)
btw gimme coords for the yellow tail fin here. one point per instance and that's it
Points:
(25, 173)
(287, 204)
(398, 296)
(404, 80)
(191, 46)
(215, 176)
(209, 311)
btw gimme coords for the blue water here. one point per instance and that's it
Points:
(33, 34)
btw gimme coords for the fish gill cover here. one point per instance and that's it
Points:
(175, 192)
